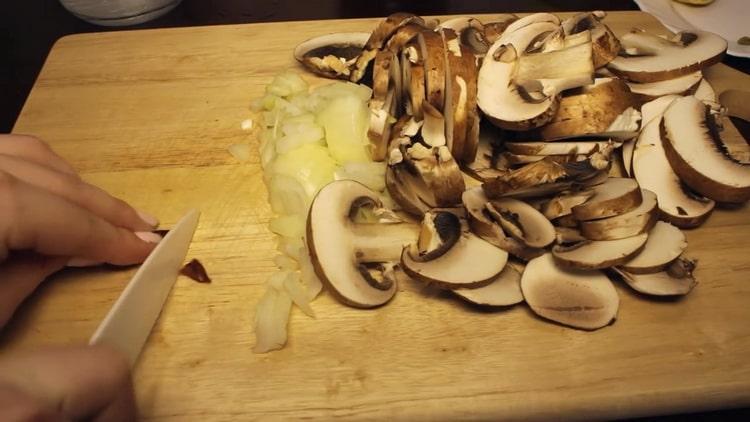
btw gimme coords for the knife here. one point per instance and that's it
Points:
(130, 320)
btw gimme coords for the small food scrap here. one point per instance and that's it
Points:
(195, 270)
(743, 41)
(240, 151)
(246, 124)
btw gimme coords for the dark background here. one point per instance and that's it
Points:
(29, 28)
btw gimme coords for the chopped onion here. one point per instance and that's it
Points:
(246, 124)
(287, 195)
(240, 151)
(290, 246)
(370, 174)
(271, 317)
(345, 122)
(307, 272)
(288, 225)
(283, 262)
(296, 290)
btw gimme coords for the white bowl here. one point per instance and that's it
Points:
(119, 12)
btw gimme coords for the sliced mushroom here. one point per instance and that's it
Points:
(551, 72)
(471, 262)
(403, 36)
(548, 176)
(588, 111)
(562, 204)
(665, 243)
(483, 166)
(414, 80)
(605, 44)
(503, 102)
(456, 94)
(565, 235)
(539, 178)
(598, 254)
(678, 86)
(420, 177)
(470, 32)
(705, 92)
(665, 283)
(505, 290)
(384, 102)
(652, 170)
(616, 196)
(483, 225)
(736, 104)
(659, 59)
(331, 55)
(631, 223)
(534, 18)
(439, 233)
(493, 30)
(378, 40)
(558, 147)
(699, 156)
(433, 55)
(522, 221)
(581, 299)
(340, 249)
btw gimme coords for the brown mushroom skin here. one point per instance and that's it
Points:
(698, 182)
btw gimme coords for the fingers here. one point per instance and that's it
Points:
(20, 275)
(17, 406)
(92, 198)
(80, 383)
(37, 220)
(34, 150)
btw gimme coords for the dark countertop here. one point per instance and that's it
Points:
(29, 28)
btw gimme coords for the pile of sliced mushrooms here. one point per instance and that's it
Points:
(529, 159)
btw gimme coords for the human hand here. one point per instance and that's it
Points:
(66, 384)
(50, 217)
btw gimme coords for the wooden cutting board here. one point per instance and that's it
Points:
(148, 115)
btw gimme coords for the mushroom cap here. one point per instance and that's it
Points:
(631, 223)
(332, 244)
(321, 54)
(558, 147)
(475, 202)
(658, 284)
(599, 254)
(662, 58)
(580, 299)
(614, 197)
(497, 97)
(665, 244)
(470, 262)
(536, 229)
(653, 172)
(680, 85)
(698, 155)
(504, 290)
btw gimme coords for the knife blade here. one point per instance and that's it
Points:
(128, 323)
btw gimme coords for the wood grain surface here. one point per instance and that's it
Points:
(148, 115)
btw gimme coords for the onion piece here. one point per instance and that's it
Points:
(240, 151)
(271, 317)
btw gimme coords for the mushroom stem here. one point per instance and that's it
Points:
(382, 242)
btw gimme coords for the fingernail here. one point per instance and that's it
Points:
(149, 237)
(82, 262)
(148, 218)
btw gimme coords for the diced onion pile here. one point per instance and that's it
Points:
(309, 138)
